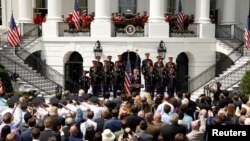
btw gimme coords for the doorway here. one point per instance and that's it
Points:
(182, 72)
(73, 70)
(134, 58)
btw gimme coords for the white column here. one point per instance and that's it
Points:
(51, 27)
(55, 10)
(101, 26)
(228, 13)
(156, 11)
(157, 27)
(203, 7)
(25, 11)
(102, 10)
(205, 29)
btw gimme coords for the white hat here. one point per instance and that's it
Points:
(107, 135)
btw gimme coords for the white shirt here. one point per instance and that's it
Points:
(87, 124)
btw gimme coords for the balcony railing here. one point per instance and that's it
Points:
(65, 31)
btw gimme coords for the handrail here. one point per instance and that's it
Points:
(232, 78)
(208, 74)
(22, 70)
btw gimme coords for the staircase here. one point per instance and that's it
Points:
(233, 48)
(45, 78)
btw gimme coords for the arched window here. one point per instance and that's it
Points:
(171, 5)
(127, 5)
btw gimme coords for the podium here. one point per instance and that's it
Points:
(136, 86)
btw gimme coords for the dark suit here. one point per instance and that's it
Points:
(100, 124)
(169, 132)
(26, 135)
(144, 136)
(73, 138)
(113, 124)
(47, 133)
(133, 120)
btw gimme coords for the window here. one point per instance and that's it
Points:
(171, 7)
(83, 5)
(125, 5)
(41, 7)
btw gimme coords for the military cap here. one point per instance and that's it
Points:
(158, 56)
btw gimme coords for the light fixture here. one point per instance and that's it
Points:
(98, 49)
(162, 50)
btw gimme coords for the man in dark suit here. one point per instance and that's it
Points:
(114, 123)
(143, 135)
(133, 119)
(48, 132)
(26, 135)
(169, 132)
(73, 134)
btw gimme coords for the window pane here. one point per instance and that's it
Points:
(127, 5)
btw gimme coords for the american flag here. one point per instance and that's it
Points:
(76, 15)
(13, 37)
(180, 18)
(247, 34)
(127, 81)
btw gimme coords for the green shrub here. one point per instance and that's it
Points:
(245, 84)
(6, 80)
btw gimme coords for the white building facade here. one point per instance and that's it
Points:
(199, 51)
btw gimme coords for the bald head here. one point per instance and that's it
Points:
(73, 130)
(69, 121)
(195, 125)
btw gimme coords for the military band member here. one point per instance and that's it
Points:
(95, 79)
(170, 64)
(150, 81)
(161, 80)
(145, 62)
(106, 80)
(171, 84)
(111, 64)
(117, 80)
(99, 63)
(95, 65)
(84, 82)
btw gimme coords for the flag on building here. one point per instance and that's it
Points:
(76, 15)
(247, 33)
(13, 37)
(180, 18)
(127, 81)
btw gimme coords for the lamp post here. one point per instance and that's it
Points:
(98, 49)
(162, 50)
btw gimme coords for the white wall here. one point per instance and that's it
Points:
(200, 52)
(242, 11)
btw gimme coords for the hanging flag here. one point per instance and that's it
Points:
(127, 81)
(13, 37)
(247, 33)
(76, 15)
(180, 18)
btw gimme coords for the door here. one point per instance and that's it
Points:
(182, 72)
